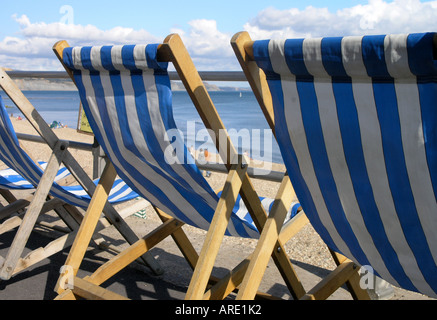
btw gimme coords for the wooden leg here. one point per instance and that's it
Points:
(89, 286)
(353, 283)
(127, 256)
(87, 290)
(267, 241)
(33, 211)
(89, 223)
(216, 233)
(253, 267)
(181, 240)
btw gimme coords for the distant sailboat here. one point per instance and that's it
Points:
(241, 94)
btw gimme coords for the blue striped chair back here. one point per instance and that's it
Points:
(126, 95)
(28, 174)
(356, 121)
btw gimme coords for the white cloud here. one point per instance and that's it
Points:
(376, 17)
(208, 47)
(33, 50)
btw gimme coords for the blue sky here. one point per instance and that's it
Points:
(28, 29)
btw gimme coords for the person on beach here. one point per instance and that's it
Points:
(202, 160)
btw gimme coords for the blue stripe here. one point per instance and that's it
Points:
(85, 55)
(127, 54)
(262, 58)
(67, 57)
(421, 54)
(421, 60)
(428, 97)
(294, 58)
(152, 60)
(374, 57)
(332, 58)
(106, 59)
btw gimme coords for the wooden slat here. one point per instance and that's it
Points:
(133, 252)
(180, 238)
(90, 220)
(241, 43)
(216, 232)
(87, 290)
(267, 243)
(332, 282)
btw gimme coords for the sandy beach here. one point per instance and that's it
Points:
(306, 249)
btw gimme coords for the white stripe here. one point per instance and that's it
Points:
(396, 56)
(96, 63)
(140, 57)
(76, 58)
(116, 57)
(312, 55)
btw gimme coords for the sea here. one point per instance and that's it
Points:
(239, 111)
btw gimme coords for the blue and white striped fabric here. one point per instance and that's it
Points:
(356, 121)
(127, 98)
(12, 180)
(19, 161)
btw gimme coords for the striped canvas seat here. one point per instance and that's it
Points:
(356, 121)
(12, 180)
(127, 98)
(24, 173)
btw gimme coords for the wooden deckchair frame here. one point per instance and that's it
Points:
(237, 182)
(346, 271)
(13, 263)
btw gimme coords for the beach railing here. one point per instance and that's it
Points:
(98, 155)
(231, 76)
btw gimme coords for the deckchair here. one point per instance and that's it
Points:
(125, 92)
(355, 121)
(63, 199)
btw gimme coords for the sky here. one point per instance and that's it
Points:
(28, 29)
